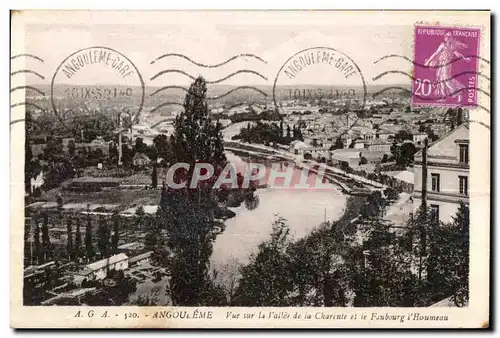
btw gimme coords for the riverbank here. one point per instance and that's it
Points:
(303, 210)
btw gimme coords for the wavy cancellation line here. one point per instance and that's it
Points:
(435, 98)
(26, 55)
(209, 82)
(445, 80)
(27, 71)
(26, 88)
(26, 104)
(481, 123)
(212, 97)
(166, 104)
(424, 66)
(205, 65)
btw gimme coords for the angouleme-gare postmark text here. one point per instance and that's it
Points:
(90, 78)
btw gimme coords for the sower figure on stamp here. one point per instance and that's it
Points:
(442, 59)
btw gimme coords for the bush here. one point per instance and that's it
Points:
(391, 194)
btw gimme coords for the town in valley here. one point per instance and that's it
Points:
(102, 226)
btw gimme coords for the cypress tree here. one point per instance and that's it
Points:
(36, 234)
(45, 237)
(154, 177)
(88, 239)
(116, 230)
(69, 245)
(78, 239)
(188, 214)
(103, 238)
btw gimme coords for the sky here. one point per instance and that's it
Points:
(212, 37)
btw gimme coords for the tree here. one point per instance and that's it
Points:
(391, 194)
(385, 158)
(36, 234)
(154, 177)
(415, 240)
(339, 144)
(139, 147)
(227, 278)
(116, 233)
(140, 215)
(46, 247)
(88, 238)
(103, 238)
(266, 280)
(196, 137)
(78, 239)
(363, 160)
(161, 144)
(53, 150)
(69, 243)
(406, 154)
(28, 154)
(188, 214)
(403, 135)
(447, 264)
(71, 148)
(430, 134)
(113, 152)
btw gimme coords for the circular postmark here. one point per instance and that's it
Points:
(97, 80)
(321, 80)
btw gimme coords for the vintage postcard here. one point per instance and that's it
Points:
(250, 169)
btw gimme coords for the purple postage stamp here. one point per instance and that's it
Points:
(446, 66)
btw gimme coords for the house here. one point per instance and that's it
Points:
(447, 174)
(296, 146)
(315, 153)
(141, 259)
(418, 138)
(359, 144)
(346, 140)
(350, 156)
(129, 248)
(403, 179)
(379, 145)
(373, 157)
(141, 160)
(36, 182)
(385, 135)
(99, 270)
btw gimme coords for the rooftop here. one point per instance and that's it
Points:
(107, 261)
(140, 257)
(403, 175)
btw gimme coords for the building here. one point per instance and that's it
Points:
(36, 182)
(141, 160)
(141, 259)
(99, 270)
(385, 135)
(130, 248)
(379, 145)
(403, 180)
(447, 173)
(350, 156)
(418, 138)
(296, 146)
(359, 144)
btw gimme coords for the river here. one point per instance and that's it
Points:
(303, 209)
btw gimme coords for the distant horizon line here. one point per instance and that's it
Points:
(226, 85)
